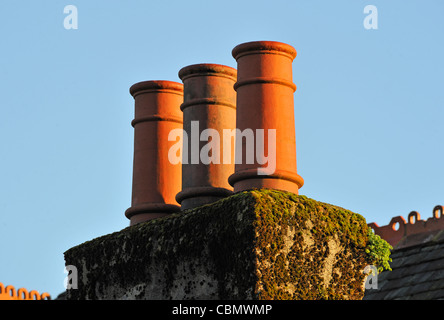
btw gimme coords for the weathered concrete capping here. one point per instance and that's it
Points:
(260, 244)
(265, 101)
(156, 180)
(209, 107)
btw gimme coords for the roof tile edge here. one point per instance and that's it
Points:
(399, 228)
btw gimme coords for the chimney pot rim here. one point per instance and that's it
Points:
(206, 191)
(207, 68)
(156, 85)
(257, 46)
(148, 207)
(278, 174)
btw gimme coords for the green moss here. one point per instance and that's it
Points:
(278, 212)
(252, 244)
(378, 251)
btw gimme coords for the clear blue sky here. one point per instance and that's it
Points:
(369, 109)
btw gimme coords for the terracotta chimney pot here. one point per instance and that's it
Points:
(156, 180)
(209, 103)
(265, 92)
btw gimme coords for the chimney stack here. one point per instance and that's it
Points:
(265, 91)
(156, 180)
(209, 107)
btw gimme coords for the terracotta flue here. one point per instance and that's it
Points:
(209, 108)
(265, 100)
(156, 180)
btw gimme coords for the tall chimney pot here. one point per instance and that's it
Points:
(209, 103)
(156, 180)
(265, 92)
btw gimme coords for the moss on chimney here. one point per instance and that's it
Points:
(316, 247)
(260, 244)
